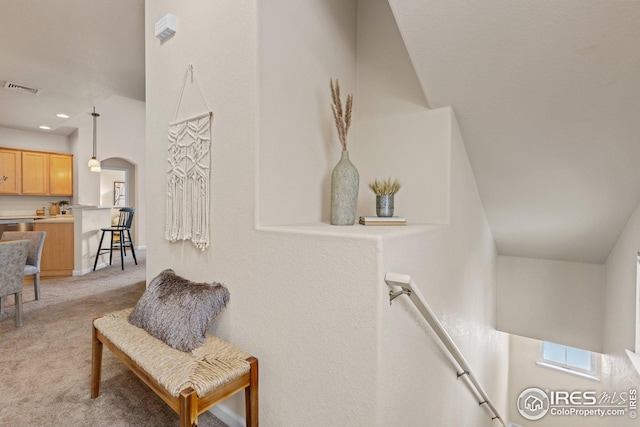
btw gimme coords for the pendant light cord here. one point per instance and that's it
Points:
(95, 145)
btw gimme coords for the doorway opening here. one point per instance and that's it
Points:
(117, 183)
(114, 187)
(118, 179)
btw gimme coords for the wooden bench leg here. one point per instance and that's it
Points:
(251, 394)
(188, 408)
(96, 364)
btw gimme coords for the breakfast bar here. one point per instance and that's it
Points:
(72, 239)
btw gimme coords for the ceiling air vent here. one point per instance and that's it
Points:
(21, 88)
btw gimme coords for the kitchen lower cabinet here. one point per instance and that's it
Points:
(57, 252)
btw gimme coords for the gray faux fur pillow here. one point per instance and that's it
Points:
(178, 311)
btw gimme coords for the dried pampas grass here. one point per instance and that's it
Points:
(341, 117)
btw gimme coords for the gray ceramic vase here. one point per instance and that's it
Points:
(344, 191)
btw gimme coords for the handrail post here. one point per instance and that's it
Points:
(395, 294)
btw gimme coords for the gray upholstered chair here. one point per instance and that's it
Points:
(36, 239)
(13, 256)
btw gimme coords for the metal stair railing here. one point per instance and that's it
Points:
(409, 288)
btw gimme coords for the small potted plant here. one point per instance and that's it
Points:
(63, 206)
(384, 191)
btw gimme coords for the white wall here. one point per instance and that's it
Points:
(297, 304)
(617, 301)
(620, 296)
(615, 373)
(302, 45)
(26, 140)
(393, 134)
(397, 135)
(120, 134)
(87, 223)
(309, 300)
(220, 40)
(555, 301)
(107, 179)
(85, 182)
(454, 266)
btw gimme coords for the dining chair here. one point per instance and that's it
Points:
(13, 256)
(36, 242)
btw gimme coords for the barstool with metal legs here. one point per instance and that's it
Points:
(120, 238)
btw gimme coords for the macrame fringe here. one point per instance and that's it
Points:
(188, 175)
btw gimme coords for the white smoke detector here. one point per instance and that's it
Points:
(166, 27)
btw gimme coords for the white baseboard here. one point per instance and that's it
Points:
(99, 266)
(89, 270)
(227, 416)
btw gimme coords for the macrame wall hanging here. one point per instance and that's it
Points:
(188, 174)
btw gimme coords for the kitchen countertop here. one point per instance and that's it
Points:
(59, 219)
(40, 219)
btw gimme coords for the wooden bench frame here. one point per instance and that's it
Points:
(188, 405)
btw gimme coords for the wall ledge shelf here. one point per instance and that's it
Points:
(355, 231)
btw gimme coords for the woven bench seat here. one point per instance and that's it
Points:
(190, 383)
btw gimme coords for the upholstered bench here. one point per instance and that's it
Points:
(189, 382)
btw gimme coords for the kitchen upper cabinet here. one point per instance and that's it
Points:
(36, 173)
(61, 174)
(11, 167)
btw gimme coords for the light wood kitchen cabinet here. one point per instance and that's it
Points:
(35, 173)
(11, 167)
(60, 174)
(57, 252)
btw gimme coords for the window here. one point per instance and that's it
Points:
(568, 359)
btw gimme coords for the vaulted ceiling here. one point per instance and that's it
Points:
(547, 95)
(546, 92)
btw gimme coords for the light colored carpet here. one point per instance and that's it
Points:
(45, 366)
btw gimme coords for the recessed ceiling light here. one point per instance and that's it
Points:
(62, 115)
(45, 127)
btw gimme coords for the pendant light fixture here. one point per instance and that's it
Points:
(94, 164)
